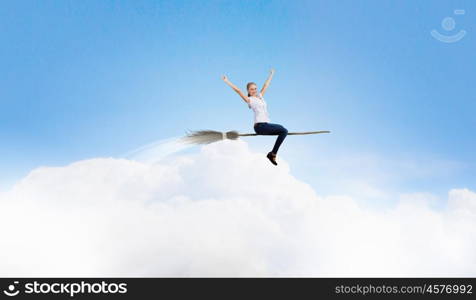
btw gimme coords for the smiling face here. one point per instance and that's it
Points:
(252, 89)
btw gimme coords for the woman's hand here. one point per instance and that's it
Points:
(225, 79)
(271, 72)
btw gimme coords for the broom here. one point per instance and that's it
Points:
(210, 136)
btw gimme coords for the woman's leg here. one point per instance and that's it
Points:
(282, 133)
(273, 129)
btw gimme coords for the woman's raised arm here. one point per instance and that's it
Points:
(243, 96)
(268, 81)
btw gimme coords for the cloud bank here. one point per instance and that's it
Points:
(225, 211)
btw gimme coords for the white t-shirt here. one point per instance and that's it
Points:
(259, 108)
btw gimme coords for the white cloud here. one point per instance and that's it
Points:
(225, 211)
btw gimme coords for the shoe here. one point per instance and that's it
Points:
(272, 158)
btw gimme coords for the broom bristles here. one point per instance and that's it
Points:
(208, 136)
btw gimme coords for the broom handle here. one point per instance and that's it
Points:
(290, 133)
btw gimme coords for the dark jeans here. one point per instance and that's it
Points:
(266, 128)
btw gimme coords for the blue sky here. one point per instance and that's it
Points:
(83, 79)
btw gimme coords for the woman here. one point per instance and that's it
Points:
(262, 125)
